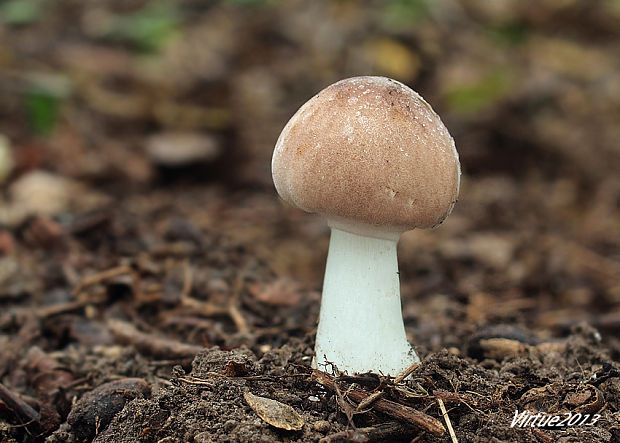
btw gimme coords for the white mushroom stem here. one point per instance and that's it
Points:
(361, 325)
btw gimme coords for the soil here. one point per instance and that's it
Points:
(150, 279)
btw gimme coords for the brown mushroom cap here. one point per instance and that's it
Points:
(371, 150)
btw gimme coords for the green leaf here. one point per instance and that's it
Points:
(42, 100)
(150, 27)
(20, 12)
(42, 111)
(510, 34)
(476, 96)
(401, 13)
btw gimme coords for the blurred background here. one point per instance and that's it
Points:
(140, 132)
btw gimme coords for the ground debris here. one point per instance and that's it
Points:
(402, 413)
(159, 347)
(141, 237)
(275, 413)
(92, 413)
(26, 413)
(379, 433)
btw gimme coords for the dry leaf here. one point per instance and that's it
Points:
(275, 413)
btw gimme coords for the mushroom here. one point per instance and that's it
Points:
(373, 157)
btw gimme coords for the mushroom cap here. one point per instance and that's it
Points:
(369, 150)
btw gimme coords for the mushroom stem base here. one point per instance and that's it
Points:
(361, 326)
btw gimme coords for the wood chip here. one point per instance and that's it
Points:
(275, 413)
(156, 346)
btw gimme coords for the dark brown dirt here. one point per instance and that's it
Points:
(150, 277)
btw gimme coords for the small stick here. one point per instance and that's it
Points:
(346, 407)
(195, 381)
(110, 273)
(22, 409)
(395, 410)
(59, 309)
(383, 432)
(406, 373)
(210, 309)
(158, 347)
(370, 400)
(205, 308)
(188, 280)
(444, 413)
(233, 309)
(237, 317)
(453, 397)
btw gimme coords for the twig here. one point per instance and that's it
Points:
(204, 308)
(209, 309)
(195, 381)
(188, 280)
(370, 400)
(402, 413)
(383, 432)
(158, 347)
(237, 317)
(453, 397)
(59, 309)
(22, 409)
(406, 373)
(444, 413)
(346, 407)
(233, 309)
(111, 273)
